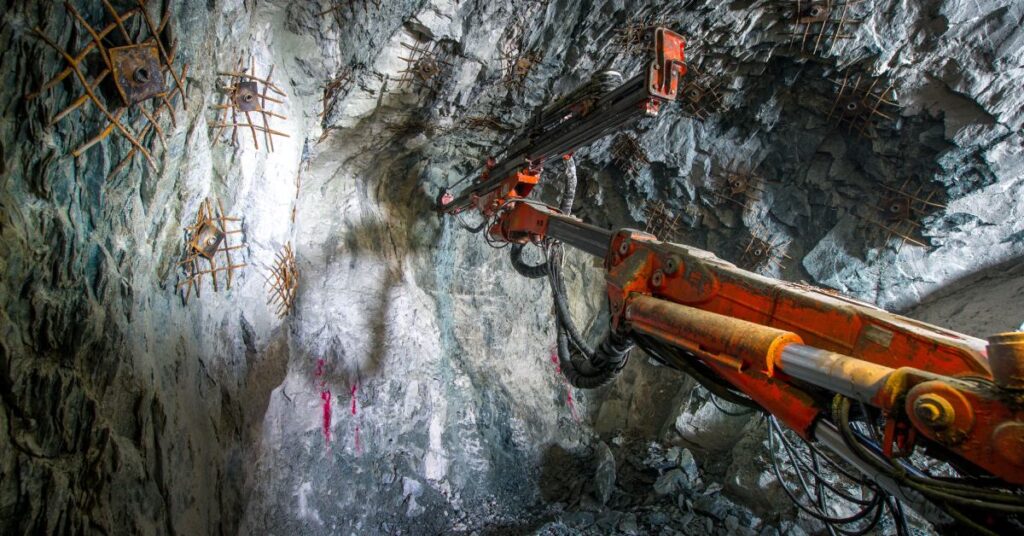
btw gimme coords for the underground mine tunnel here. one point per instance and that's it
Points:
(482, 267)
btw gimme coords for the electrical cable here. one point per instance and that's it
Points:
(948, 496)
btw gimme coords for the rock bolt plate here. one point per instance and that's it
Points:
(247, 97)
(137, 72)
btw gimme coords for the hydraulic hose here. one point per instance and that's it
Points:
(601, 368)
(568, 197)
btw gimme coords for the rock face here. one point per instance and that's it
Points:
(411, 389)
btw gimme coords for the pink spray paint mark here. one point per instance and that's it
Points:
(568, 388)
(325, 395)
(355, 409)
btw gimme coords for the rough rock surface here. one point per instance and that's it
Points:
(126, 410)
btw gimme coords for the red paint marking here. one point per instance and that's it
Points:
(325, 395)
(568, 387)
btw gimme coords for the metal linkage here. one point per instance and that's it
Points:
(205, 241)
(763, 251)
(860, 103)
(629, 155)
(899, 211)
(660, 222)
(283, 282)
(246, 94)
(817, 26)
(137, 64)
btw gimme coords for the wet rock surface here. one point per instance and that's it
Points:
(126, 410)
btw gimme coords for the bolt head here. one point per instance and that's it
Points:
(629, 313)
(657, 278)
(934, 410)
(624, 247)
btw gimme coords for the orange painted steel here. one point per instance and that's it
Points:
(739, 323)
(516, 186)
(669, 65)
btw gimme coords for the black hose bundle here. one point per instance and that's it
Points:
(583, 366)
(568, 197)
(533, 272)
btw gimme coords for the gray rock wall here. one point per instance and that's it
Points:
(126, 410)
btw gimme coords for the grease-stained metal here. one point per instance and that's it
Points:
(208, 249)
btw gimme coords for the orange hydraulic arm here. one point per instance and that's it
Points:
(800, 354)
(791, 348)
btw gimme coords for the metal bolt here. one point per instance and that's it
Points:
(629, 313)
(657, 278)
(624, 247)
(671, 265)
(141, 75)
(934, 410)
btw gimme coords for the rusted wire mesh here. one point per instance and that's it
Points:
(120, 72)
(738, 187)
(660, 221)
(861, 104)
(763, 251)
(245, 95)
(425, 67)
(283, 282)
(208, 250)
(629, 155)
(899, 212)
(817, 26)
(637, 37)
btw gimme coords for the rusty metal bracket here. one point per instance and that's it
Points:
(136, 72)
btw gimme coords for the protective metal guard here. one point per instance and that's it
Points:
(669, 64)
